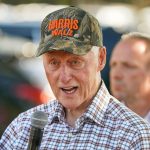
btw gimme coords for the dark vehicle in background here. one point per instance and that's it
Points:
(17, 93)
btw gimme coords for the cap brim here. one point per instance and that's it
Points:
(74, 47)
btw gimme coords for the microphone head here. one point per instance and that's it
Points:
(39, 119)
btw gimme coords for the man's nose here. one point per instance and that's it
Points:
(65, 73)
(116, 73)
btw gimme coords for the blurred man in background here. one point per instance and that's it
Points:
(130, 72)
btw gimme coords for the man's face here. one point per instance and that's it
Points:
(128, 75)
(73, 79)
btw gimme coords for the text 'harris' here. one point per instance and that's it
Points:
(63, 27)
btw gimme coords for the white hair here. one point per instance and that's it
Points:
(95, 49)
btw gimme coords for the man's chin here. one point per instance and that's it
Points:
(70, 107)
(121, 98)
(68, 103)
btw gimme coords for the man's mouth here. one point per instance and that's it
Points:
(69, 90)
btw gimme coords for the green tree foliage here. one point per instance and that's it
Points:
(138, 3)
(14, 2)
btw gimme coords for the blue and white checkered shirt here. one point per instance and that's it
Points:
(106, 125)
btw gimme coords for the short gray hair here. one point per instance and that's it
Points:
(138, 35)
(95, 49)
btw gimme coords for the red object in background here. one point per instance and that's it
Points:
(31, 93)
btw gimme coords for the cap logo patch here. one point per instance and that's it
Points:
(63, 27)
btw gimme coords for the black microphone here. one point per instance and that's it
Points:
(38, 121)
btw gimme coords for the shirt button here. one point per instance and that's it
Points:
(70, 135)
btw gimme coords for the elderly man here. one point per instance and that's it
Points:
(130, 72)
(84, 114)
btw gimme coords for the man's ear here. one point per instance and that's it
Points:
(101, 58)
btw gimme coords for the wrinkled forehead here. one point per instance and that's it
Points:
(60, 53)
(91, 55)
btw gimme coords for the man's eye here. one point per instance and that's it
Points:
(54, 64)
(77, 64)
(113, 64)
(130, 66)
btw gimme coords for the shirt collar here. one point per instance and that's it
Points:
(147, 117)
(99, 105)
(57, 112)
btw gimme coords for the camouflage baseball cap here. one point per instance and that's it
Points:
(70, 29)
